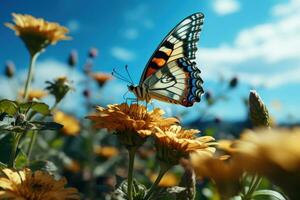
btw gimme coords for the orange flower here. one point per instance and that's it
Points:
(71, 124)
(35, 94)
(39, 185)
(174, 143)
(132, 123)
(101, 78)
(106, 151)
(168, 180)
(73, 166)
(37, 33)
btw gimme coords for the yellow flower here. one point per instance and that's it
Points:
(35, 94)
(101, 78)
(37, 33)
(25, 184)
(132, 123)
(168, 180)
(106, 151)
(174, 143)
(73, 166)
(71, 124)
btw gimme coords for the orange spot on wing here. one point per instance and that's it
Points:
(159, 61)
(150, 71)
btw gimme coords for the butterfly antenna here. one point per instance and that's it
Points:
(126, 68)
(119, 76)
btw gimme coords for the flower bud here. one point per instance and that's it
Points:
(9, 69)
(233, 82)
(86, 93)
(93, 52)
(259, 114)
(73, 58)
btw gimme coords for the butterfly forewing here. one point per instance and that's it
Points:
(180, 42)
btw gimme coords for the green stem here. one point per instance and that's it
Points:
(14, 149)
(131, 151)
(34, 134)
(163, 170)
(30, 75)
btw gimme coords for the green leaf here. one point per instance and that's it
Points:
(2, 165)
(270, 193)
(47, 125)
(44, 165)
(5, 147)
(21, 160)
(8, 106)
(41, 108)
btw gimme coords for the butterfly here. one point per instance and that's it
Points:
(170, 75)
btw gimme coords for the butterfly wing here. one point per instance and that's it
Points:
(179, 82)
(180, 42)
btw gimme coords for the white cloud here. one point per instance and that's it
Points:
(131, 33)
(122, 54)
(292, 6)
(263, 46)
(225, 7)
(140, 16)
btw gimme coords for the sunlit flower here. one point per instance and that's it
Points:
(106, 151)
(39, 185)
(37, 33)
(35, 94)
(174, 143)
(73, 166)
(71, 124)
(224, 171)
(101, 78)
(132, 123)
(168, 180)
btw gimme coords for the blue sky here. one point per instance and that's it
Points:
(257, 41)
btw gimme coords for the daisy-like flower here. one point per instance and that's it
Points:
(100, 78)
(35, 94)
(275, 154)
(37, 33)
(174, 143)
(39, 185)
(169, 179)
(106, 151)
(71, 124)
(132, 123)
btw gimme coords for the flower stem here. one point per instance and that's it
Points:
(131, 151)
(163, 170)
(33, 58)
(16, 139)
(34, 134)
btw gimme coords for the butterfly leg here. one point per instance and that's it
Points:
(131, 100)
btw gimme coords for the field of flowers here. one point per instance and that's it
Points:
(131, 150)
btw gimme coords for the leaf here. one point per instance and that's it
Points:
(5, 148)
(47, 125)
(38, 107)
(175, 189)
(2, 165)
(44, 165)
(8, 106)
(270, 193)
(41, 108)
(21, 160)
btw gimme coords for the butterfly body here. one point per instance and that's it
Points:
(170, 75)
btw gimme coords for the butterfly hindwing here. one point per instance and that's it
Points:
(180, 42)
(179, 82)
